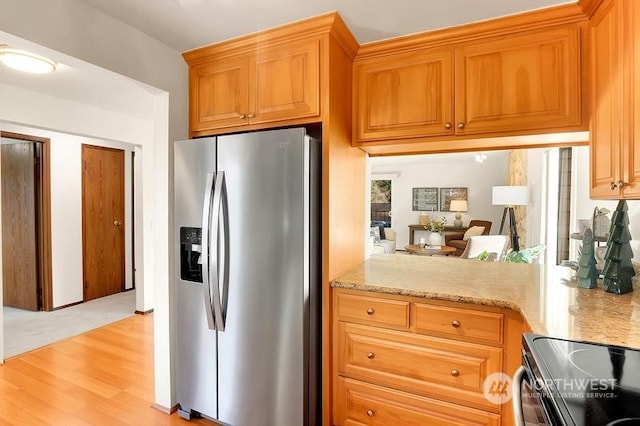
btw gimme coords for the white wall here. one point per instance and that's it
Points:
(443, 171)
(80, 31)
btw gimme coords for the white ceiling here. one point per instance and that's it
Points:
(188, 24)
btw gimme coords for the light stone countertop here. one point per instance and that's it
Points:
(545, 296)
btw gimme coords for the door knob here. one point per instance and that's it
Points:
(117, 222)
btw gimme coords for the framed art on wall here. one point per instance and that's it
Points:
(448, 194)
(425, 199)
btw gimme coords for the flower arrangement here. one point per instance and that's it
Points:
(436, 224)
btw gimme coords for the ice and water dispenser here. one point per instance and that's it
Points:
(190, 253)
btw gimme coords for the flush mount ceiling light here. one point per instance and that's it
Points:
(25, 61)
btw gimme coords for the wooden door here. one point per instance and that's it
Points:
(523, 82)
(102, 221)
(20, 261)
(218, 93)
(284, 82)
(404, 95)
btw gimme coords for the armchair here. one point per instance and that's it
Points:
(457, 240)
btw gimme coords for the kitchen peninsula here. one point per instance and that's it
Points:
(396, 314)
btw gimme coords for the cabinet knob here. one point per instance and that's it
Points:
(251, 115)
(370, 311)
(371, 355)
(447, 125)
(370, 413)
(242, 116)
(455, 323)
(461, 125)
(622, 184)
(613, 186)
(455, 373)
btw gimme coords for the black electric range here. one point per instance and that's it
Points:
(583, 384)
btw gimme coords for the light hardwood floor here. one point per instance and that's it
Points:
(103, 377)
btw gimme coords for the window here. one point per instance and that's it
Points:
(381, 202)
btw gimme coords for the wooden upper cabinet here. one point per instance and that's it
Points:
(404, 95)
(517, 83)
(477, 85)
(615, 122)
(276, 83)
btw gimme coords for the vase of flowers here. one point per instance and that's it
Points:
(436, 226)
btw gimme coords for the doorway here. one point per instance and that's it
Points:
(26, 222)
(103, 235)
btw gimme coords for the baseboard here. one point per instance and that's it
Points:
(137, 312)
(165, 409)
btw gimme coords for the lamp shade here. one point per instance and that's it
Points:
(510, 195)
(458, 206)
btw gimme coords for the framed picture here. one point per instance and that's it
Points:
(425, 199)
(448, 194)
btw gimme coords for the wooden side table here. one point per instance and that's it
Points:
(429, 250)
(447, 229)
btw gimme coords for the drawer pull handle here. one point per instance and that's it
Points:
(455, 323)
(370, 311)
(370, 413)
(371, 355)
(455, 373)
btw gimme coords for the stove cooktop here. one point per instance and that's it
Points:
(588, 384)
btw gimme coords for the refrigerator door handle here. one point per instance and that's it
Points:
(214, 294)
(206, 242)
(221, 318)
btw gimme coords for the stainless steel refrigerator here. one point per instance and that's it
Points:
(247, 228)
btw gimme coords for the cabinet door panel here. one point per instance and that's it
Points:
(631, 133)
(219, 94)
(606, 85)
(517, 83)
(286, 82)
(419, 364)
(365, 404)
(404, 95)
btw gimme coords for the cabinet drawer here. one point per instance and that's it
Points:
(360, 403)
(373, 310)
(420, 364)
(458, 323)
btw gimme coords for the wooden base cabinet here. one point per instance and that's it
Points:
(615, 124)
(413, 361)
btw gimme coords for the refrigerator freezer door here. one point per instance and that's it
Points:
(262, 352)
(196, 343)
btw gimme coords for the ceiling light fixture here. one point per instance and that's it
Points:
(25, 61)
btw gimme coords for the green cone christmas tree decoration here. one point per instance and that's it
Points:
(587, 272)
(618, 269)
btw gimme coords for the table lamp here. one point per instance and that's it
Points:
(510, 196)
(458, 206)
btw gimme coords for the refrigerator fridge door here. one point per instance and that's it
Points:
(263, 352)
(196, 379)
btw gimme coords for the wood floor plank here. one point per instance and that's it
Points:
(103, 377)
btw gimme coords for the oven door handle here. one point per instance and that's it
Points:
(518, 415)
